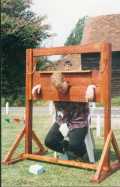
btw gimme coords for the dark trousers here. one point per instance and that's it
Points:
(55, 141)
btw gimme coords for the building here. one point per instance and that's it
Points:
(104, 28)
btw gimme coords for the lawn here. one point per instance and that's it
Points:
(17, 175)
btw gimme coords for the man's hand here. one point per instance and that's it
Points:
(90, 93)
(36, 90)
(64, 129)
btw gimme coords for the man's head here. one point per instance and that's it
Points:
(67, 65)
(59, 83)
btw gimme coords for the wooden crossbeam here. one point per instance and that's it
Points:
(59, 161)
(88, 48)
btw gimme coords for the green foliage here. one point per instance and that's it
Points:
(20, 25)
(76, 34)
(20, 29)
(42, 63)
(116, 101)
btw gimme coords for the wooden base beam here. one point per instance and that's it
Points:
(59, 161)
(13, 161)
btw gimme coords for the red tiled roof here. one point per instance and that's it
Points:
(103, 28)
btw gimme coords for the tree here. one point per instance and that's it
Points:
(76, 34)
(20, 29)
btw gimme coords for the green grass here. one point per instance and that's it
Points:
(116, 101)
(17, 175)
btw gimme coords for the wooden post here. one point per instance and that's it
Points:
(106, 94)
(28, 115)
(7, 108)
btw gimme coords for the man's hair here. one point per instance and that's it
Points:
(57, 79)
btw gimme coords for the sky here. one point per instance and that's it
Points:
(62, 15)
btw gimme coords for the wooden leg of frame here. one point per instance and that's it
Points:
(115, 146)
(101, 162)
(13, 161)
(14, 146)
(37, 141)
(115, 166)
(104, 174)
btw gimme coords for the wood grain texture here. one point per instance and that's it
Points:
(14, 146)
(59, 161)
(116, 147)
(78, 81)
(28, 110)
(38, 142)
(78, 84)
(106, 94)
(77, 49)
(103, 156)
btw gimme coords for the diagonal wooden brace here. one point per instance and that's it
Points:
(101, 162)
(39, 144)
(115, 146)
(10, 153)
(101, 174)
(14, 146)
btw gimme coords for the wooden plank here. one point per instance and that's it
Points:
(73, 79)
(77, 49)
(105, 72)
(74, 94)
(78, 85)
(66, 72)
(28, 114)
(63, 162)
(29, 73)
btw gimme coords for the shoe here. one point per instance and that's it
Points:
(71, 155)
(85, 157)
(63, 156)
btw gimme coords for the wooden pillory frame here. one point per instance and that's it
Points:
(78, 80)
